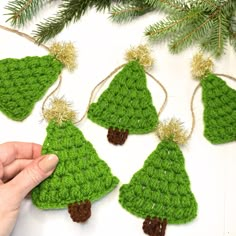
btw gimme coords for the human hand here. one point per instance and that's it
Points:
(21, 169)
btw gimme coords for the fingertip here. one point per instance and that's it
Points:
(48, 163)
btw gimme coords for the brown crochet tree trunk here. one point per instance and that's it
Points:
(154, 227)
(80, 212)
(116, 136)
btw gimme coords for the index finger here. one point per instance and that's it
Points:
(11, 151)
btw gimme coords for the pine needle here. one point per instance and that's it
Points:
(126, 12)
(172, 130)
(142, 54)
(65, 53)
(21, 12)
(59, 111)
(201, 66)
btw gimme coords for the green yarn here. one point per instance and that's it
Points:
(127, 103)
(80, 174)
(161, 188)
(23, 82)
(219, 110)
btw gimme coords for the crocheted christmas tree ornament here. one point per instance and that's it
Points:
(23, 82)
(219, 110)
(160, 191)
(125, 107)
(81, 177)
(219, 102)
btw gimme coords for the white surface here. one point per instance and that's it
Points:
(101, 46)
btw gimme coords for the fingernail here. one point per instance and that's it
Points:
(48, 163)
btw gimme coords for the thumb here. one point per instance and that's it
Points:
(32, 175)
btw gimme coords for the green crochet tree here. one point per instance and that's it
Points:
(219, 102)
(219, 110)
(23, 82)
(81, 177)
(126, 106)
(160, 191)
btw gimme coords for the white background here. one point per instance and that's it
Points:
(101, 45)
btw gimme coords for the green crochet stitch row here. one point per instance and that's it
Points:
(23, 82)
(80, 175)
(127, 103)
(219, 110)
(161, 188)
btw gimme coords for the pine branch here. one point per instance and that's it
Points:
(168, 5)
(218, 37)
(134, 8)
(211, 3)
(162, 30)
(205, 23)
(21, 11)
(127, 12)
(219, 42)
(233, 26)
(213, 25)
(219, 33)
(233, 31)
(185, 40)
(69, 11)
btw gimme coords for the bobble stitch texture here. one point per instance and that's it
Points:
(127, 103)
(219, 110)
(23, 82)
(80, 174)
(161, 189)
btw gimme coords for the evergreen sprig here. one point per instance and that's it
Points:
(211, 24)
(233, 29)
(168, 6)
(205, 23)
(22, 11)
(69, 11)
(126, 12)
